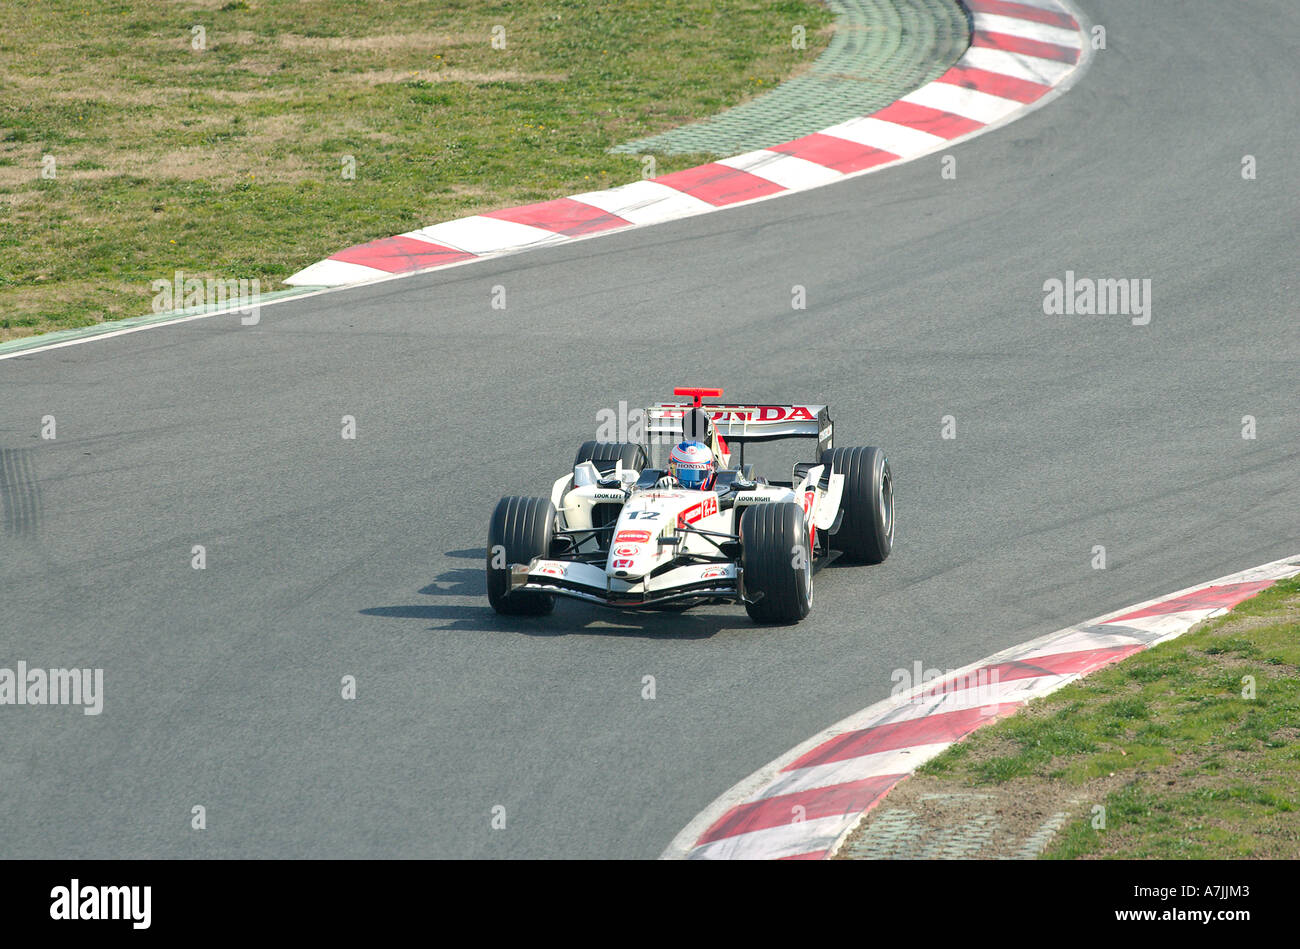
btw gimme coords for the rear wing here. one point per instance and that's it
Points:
(744, 423)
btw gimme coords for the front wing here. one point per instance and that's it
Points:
(583, 581)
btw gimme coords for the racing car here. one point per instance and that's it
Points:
(621, 530)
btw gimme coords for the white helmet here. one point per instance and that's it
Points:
(692, 464)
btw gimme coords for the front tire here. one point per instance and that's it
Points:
(777, 563)
(521, 529)
(866, 531)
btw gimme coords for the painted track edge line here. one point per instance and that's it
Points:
(59, 339)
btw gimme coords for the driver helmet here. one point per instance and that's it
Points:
(692, 464)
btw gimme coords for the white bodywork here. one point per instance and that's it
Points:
(655, 526)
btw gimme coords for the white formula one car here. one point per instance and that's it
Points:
(620, 531)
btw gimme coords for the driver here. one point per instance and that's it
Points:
(692, 464)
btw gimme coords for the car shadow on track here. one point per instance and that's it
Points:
(570, 617)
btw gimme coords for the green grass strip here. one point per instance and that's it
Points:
(217, 138)
(1191, 748)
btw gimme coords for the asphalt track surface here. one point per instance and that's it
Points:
(329, 557)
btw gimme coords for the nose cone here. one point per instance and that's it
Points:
(633, 552)
(632, 567)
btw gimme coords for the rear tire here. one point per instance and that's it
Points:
(523, 528)
(604, 455)
(771, 536)
(866, 531)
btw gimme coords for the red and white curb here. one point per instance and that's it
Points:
(803, 804)
(1019, 53)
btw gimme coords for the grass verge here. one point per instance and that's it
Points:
(1190, 749)
(213, 137)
